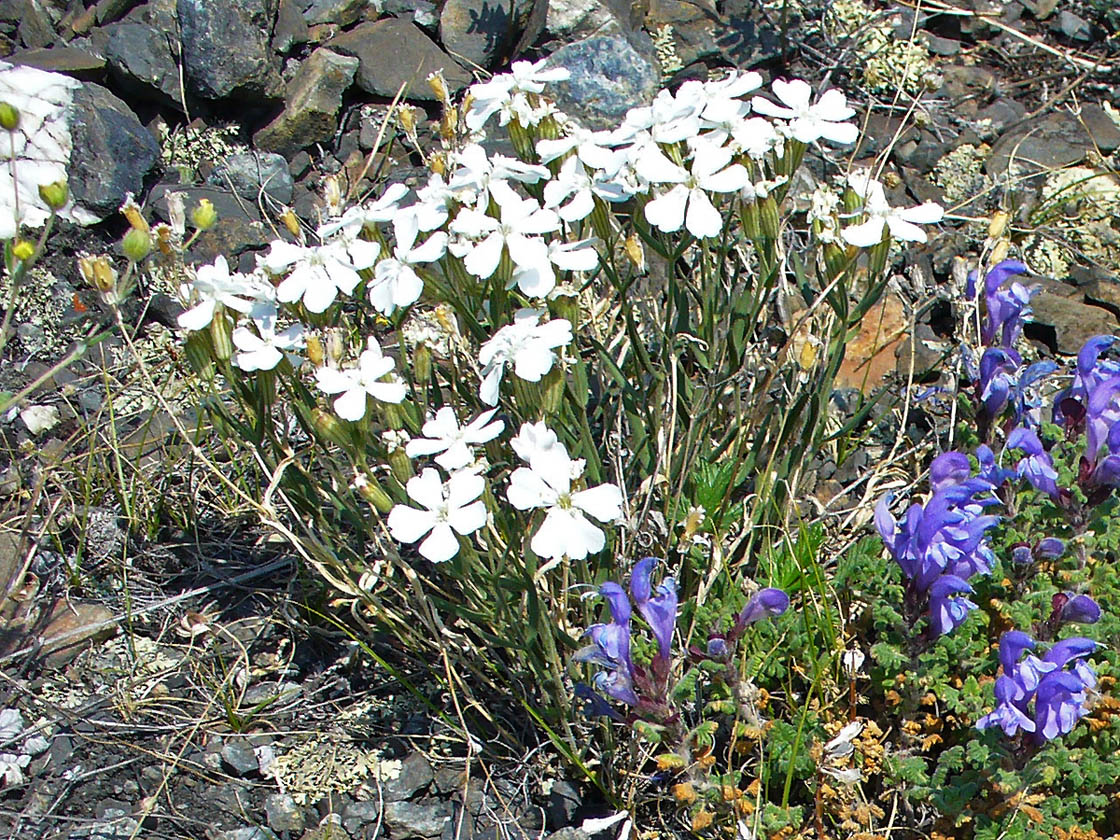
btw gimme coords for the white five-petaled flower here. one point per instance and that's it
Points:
(395, 282)
(527, 344)
(539, 282)
(477, 173)
(355, 384)
(448, 508)
(687, 203)
(505, 93)
(263, 348)
(547, 484)
(518, 230)
(213, 284)
(446, 436)
(319, 272)
(902, 223)
(591, 147)
(827, 117)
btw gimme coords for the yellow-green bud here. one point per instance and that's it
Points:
(98, 272)
(422, 363)
(23, 250)
(204, 215)
(329, 427)
(9, 116)
(55, 195)
(315, 353)
(221, 333)
(198, 351)
(768, 222)
(372, 492)
(552, 390)
(136, 244)
(393, 414)
(400, 464)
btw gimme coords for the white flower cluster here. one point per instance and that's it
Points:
(512, 230)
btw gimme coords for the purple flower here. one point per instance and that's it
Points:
(1059, 704)
(1078, 609)
(1007, 307)
(1050, 548)
(766, 603)
(1037, 467)
(659, 607)
(947, 469)
(947, 606)
(610, 648)
(1007, 715)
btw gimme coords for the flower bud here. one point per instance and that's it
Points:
(336, 346)
(131, 211)
(393, 414)
(438, 164)
(407, 119)
(439, 87)
(400, 464)
(290, 222)
(768, 221)
(9, 116)
(684, 793)
(98, 272)
(634, 252)
(23, 250)
(332, 195)
(329, 428)
(372, 492)
(552, 391)
(999, 252)
(204, 215)
(422, 363)
(1080, 609)
(221, 333)
(998, 224)
(136, 244)
(55, 195)
(315, 353)
(199, 357)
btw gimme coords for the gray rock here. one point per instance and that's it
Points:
(249, 832)
(569, 833)
(357, 815)
(1073, 27)
(115, 825)
(112, 151)
(291, 29)
(339, 12)
(941, 46)
(1002, 113)
(563, 802)
(36, 29)
(482, 31)
(745, 37)
(575, 19)
(72, 61)
(1071, 321)
(311, 104)
(225, 47)
(248, 173)
(425, 818)
(1060, 139)
(239, 757)
(141, 61)
(421, 12)
(283, 813)
(393, 52)
(609, 76)
(415, 775)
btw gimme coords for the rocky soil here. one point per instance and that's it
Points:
(166, 683)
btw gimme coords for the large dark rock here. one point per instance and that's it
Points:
(112, 151)
(250, 173)
(338, 12)
(1058, 140)
(311, 105)
(226, 50)
(609, 77)
(574, 19)
(393, 52)
(483, 31)
(72, 61)
(142, 63)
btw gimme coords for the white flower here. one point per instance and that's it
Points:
(11, 767)
(444, 434)
(808, 123)
(526, 344)
(264, 348)
(900, 222)
(687, 203)
(448, 508)
(534, 439)
(591, 147)
(518, 230)
(213, 285)
(435, 199)
(355, 384)
(547, 484)
(395, 283)
(568, 256)
(319, 272)
(505, 93)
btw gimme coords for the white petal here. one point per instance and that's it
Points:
(333, 381)
(527, 490)
(603, 502)
(469, 519)
(533, 361)
(795, 93)
(388, 392)
(351, 405)
(929, 213)
(426, 489)
(483, 259)
(905, 231)
(703, 220)
(667, 212)
(441, 546)
(865, 235)
(407, 524)
(199, 317)
(463, 488)
(488, 388)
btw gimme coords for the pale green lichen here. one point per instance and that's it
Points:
(960, 173)
(1076, 215)
(322, 765)
(665, 45)
(187, 147)
(887, 61)
(44, 304)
